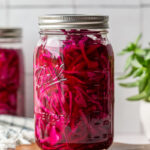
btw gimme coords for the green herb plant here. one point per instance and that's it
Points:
(138, 67)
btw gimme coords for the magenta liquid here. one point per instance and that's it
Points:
(74, 92)
(11, 82)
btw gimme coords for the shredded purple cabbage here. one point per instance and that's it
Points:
(74, 92)
(10, 81)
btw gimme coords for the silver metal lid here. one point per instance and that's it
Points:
(73, 22)
(10, 32)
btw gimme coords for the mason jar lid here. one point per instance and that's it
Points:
(10, 32)
(73, 22)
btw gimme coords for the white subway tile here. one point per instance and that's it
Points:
(2, 3)
(3, 13)
(145, 1)
(27, 19)
(107, 2)
(2, 18)
(146, 26)
(127, 118)
(40, 2)
(124, 28)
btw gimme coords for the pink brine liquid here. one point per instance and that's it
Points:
(74, 93)
(11, 82)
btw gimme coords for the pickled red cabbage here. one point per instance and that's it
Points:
(9, 81)
(73, 92)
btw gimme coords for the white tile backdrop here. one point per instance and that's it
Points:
(128, 18)
(39, 2)
(108, 2)
(3, 12)
(145, 2)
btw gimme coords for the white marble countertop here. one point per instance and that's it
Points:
(131, 139)
(130, 142)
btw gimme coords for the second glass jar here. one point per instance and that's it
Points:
(73, 84)
(11, 72)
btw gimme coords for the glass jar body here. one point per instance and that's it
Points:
(74, 90)
(11, 77)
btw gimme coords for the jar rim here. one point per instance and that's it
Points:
(73, 21)
(10, 32)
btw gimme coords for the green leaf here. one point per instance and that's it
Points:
(147, 90)
(135, 63)
(123, 52)
(127, 75)
(140, 59)
(140, 52)
(147, 64)
(128, 62)
(137, 97)
(138, 63)
(131, 47)
(138, 39)
(147, 56)
(129, 85)
(138, 72)
(147, 99)
(143, 83)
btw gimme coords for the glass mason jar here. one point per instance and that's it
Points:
(73, 83)
(11, 72)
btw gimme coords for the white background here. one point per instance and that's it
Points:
(128, 18)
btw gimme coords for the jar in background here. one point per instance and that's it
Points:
(73, 83)
(11, 72)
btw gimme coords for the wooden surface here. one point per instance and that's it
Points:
(116, 146)
(28, 147)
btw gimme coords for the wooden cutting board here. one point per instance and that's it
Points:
(115, 146)
(28, 147)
